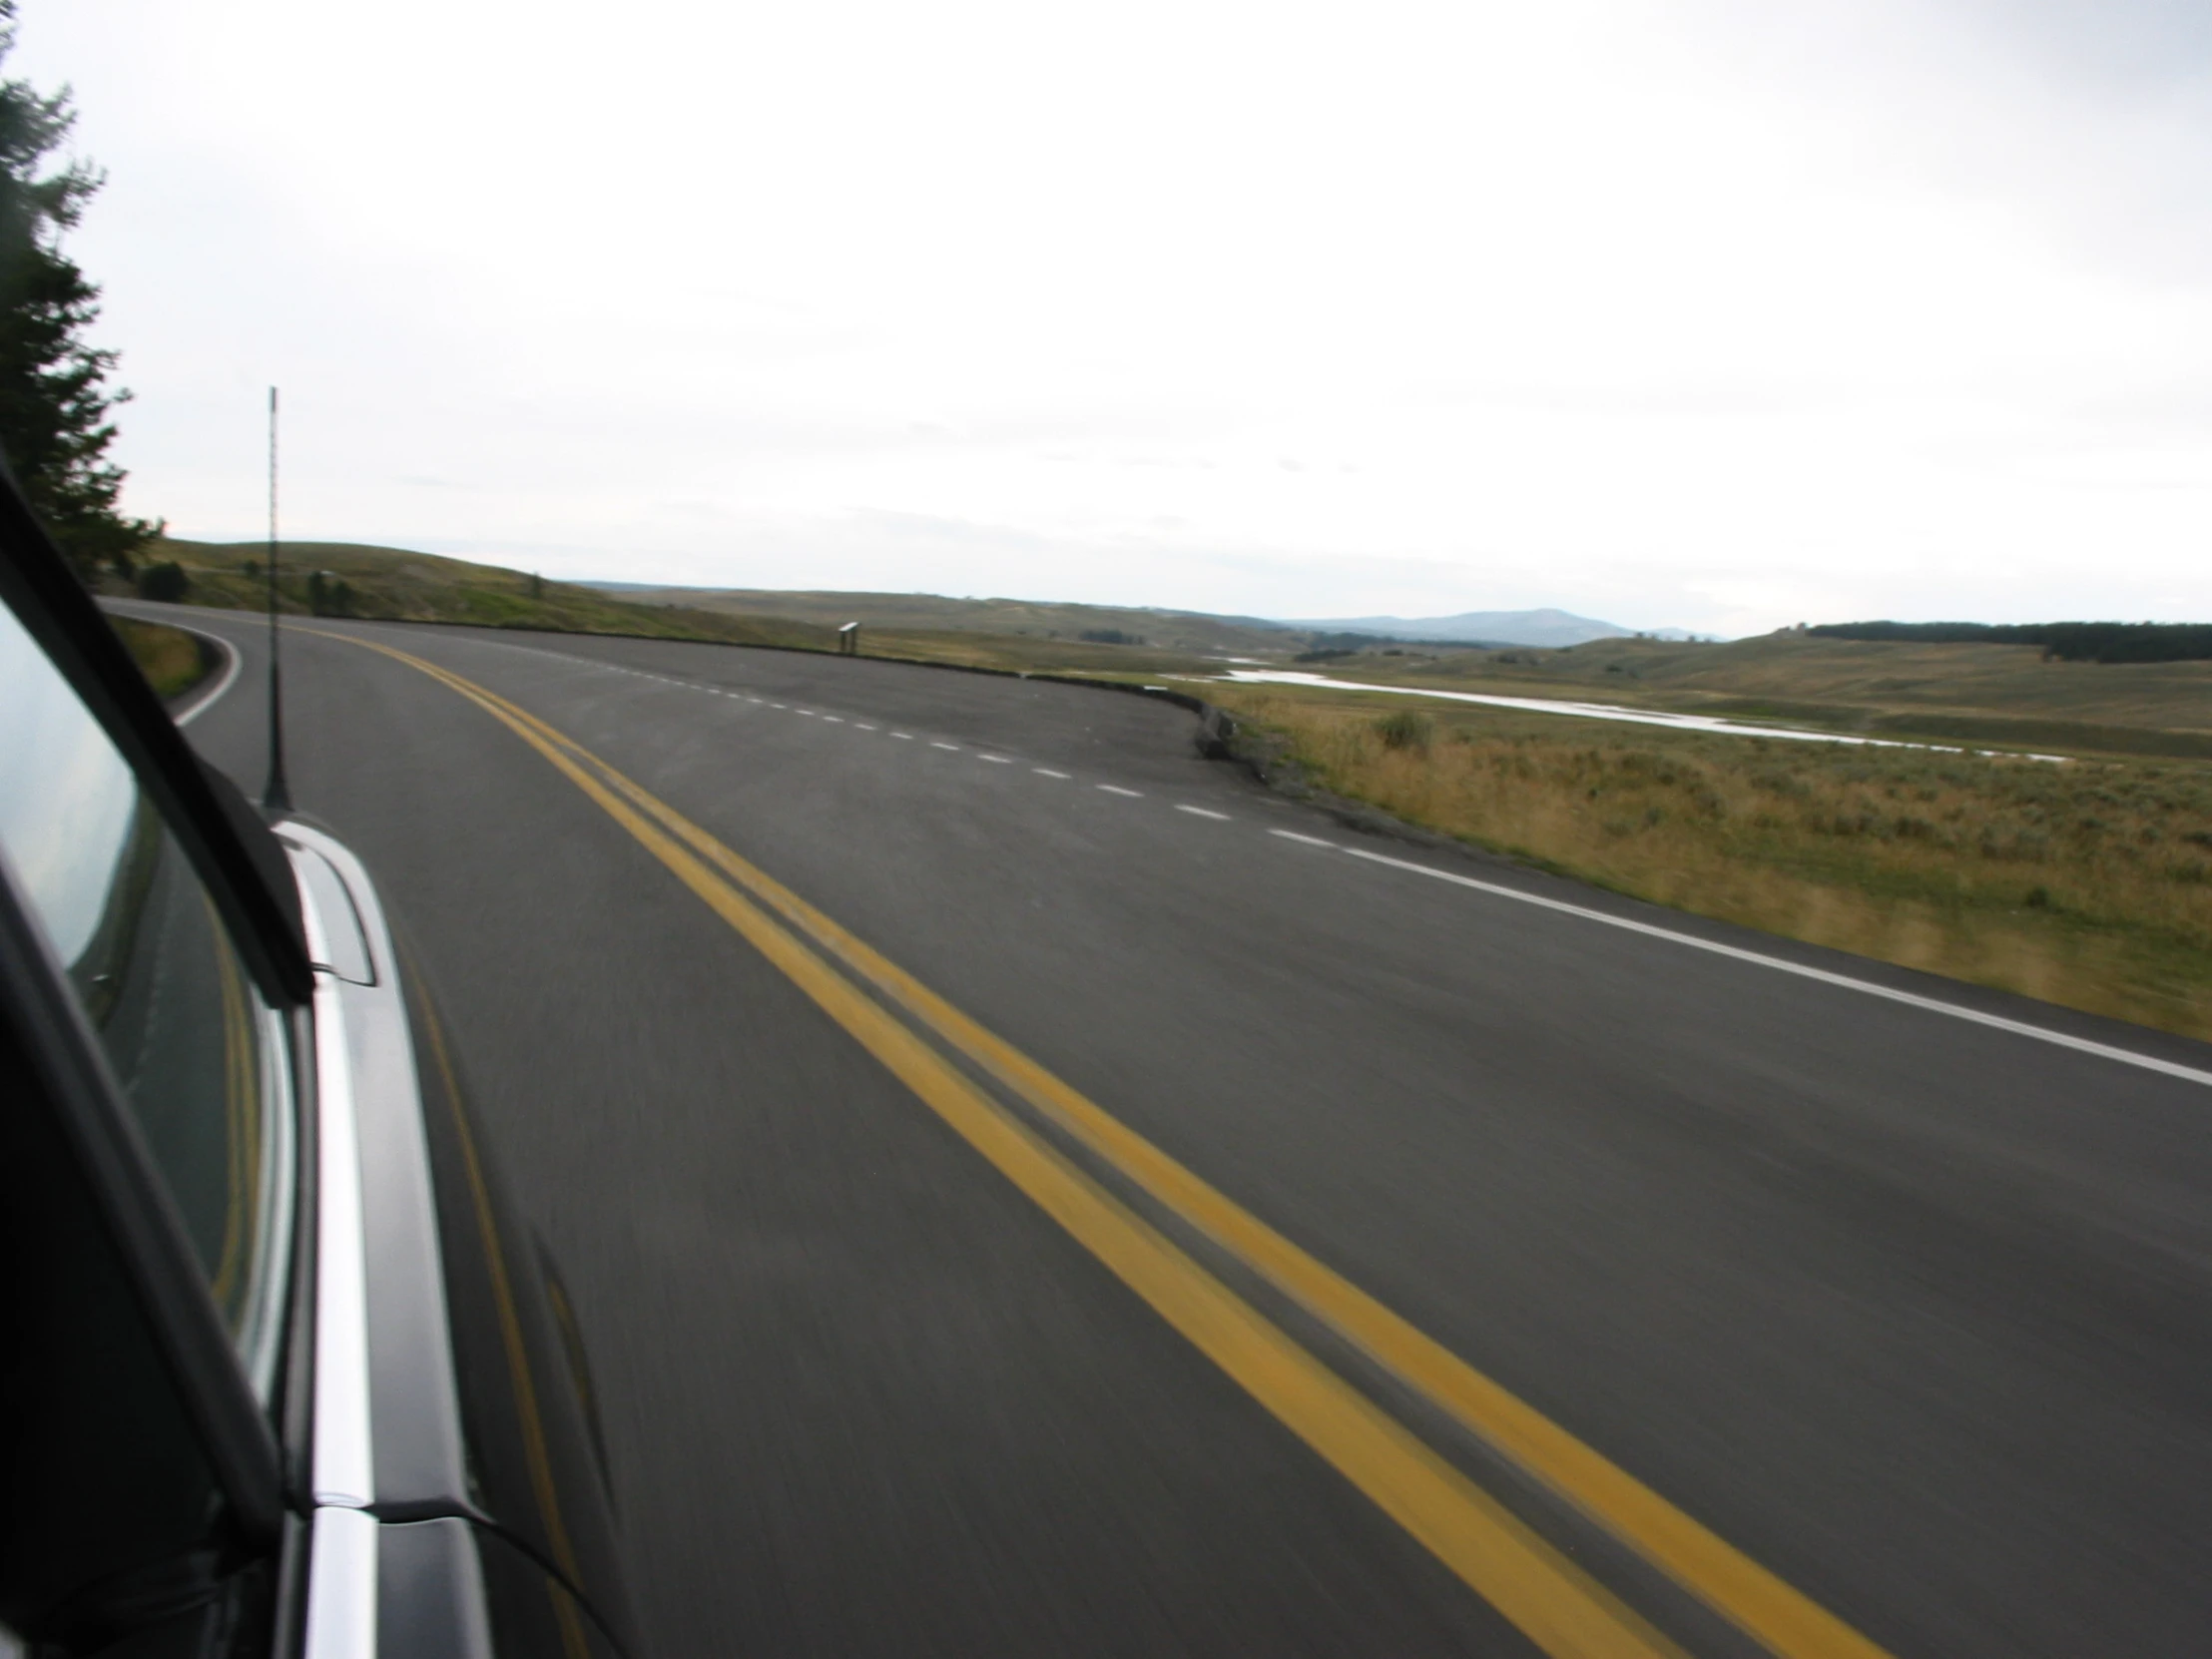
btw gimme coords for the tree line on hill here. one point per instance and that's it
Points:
(2071, 642)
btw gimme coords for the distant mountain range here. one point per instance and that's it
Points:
(1546, 627)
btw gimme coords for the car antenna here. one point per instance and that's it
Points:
(275, 796)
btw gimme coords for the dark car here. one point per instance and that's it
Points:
(281, 1373)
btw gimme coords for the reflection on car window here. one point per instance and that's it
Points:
(199, 1055)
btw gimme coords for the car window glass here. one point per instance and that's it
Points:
(199, 1054)
(66, 796)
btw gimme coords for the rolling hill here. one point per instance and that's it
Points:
(399, 585)
(1190, 632)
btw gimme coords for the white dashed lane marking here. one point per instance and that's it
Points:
(956, 748)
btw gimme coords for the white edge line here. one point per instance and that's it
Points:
(1308, 841)
(1996, 1022)
(234, 660)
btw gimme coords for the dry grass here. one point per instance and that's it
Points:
(169, 657)
(2087, 884)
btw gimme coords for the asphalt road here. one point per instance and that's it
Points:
(1913, 1310)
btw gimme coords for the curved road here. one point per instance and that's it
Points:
(1907, 1316)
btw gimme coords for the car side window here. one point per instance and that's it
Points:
(199, 1055)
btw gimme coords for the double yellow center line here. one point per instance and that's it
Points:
(1556, 1604)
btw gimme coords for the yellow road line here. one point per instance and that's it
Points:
(527, 1416)
(1783, 1619)
(544, 1488)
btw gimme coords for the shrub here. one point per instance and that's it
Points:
(166, 582)
(1406, 729)
(330, 595)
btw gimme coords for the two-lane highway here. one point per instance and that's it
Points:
(1027, 1189)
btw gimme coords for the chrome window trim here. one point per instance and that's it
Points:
(344, 1460)
(342, 1585)
(402, 1419)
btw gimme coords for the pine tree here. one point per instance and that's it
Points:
(54, 397)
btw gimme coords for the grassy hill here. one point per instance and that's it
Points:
(394, 584)
(1186, 633)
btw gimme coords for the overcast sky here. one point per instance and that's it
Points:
(1720, 315)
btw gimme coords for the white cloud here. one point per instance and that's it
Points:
(1681, 314)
